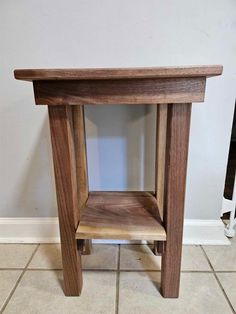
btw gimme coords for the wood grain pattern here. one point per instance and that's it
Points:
(104, 194)
(136, 91)
(117, 73)
(120, 215)
(178, 121)
(61, 127)
(81, 164)
(161, 128)
(161, 125)
(80, 154)
(117, 216)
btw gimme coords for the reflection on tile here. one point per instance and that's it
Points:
(41, 292)
(193, 259)
(102, 257)
(222, 257)
(228, 281)
(15, 255)
(48, 256)
(8, 279)
(199, 293)
(139, 257)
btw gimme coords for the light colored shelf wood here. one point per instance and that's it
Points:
(121, 215)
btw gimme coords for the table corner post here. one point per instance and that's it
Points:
(63, 148)
(178, 124)
(81, 165)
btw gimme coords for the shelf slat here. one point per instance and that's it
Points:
(121, 215)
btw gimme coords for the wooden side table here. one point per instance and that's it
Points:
(85, 215)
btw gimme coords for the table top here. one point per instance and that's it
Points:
(117, 73)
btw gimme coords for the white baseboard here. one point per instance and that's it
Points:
(45, 230)
(29, 230)
(204, 232)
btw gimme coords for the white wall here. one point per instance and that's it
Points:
(109, 33)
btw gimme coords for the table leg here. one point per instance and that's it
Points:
(62, 136)
(161, 125)
(81, 164)
(178, 121)
(158, 248)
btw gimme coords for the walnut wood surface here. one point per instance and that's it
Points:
(117, 73)
(178, 121)
(80, 154)
(85, 246)
(135, 91)
(81, 164)
(102, 194)
(61, 126)
(128, 216)
(120, 215)
(158, 248)
(161, 125)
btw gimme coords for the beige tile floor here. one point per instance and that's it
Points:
(117, 279)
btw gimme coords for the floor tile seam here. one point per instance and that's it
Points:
(224, 293)
(116, 270)
(218, 281)
(18, 280)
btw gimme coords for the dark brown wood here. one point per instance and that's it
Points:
(85, 246)
(61, 126)
(125, 91)
(160, 155)
(117, 73)
(158, 248)
(81, 164)
(178, 122)
(80, 154)
(121, 216)
(102, 194)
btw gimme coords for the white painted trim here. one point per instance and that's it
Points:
(45, 230)
(204, 232)
(29, 230)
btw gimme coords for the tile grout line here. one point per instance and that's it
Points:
(18, 280)
(225, 271)
(118, 272)
(117, 281)
(125, 270)
(225, 295)
(218, 281)
(207, 258)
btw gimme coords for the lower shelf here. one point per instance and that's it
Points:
(121, 215)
